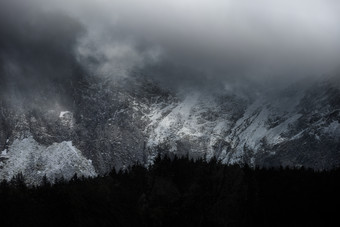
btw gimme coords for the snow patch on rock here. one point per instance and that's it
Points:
(66, 118)
(34, 160)
(333, 129)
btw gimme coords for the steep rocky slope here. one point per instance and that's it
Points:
(107, 124)
(297, 126)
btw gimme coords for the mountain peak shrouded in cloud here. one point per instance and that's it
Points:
(180, 42)
(244, 81)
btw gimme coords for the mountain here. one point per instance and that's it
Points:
(93, 125)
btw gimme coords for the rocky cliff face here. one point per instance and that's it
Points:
(107, 124)
(298, 126)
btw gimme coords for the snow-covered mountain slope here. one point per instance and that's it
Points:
(196, 124)
(118, 123)
(34, 161)
(264, 131)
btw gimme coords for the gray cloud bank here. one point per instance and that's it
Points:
(37, 53)
(178, 42)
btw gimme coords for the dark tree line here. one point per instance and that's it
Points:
(178, 192)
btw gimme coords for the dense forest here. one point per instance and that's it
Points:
(178, 192)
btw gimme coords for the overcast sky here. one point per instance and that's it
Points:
(185, 42)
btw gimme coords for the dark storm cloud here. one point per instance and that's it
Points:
(210, 41)
(189, 42)
(37, 48)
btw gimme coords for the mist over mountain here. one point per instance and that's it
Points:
(87, 86)
(180, 43)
